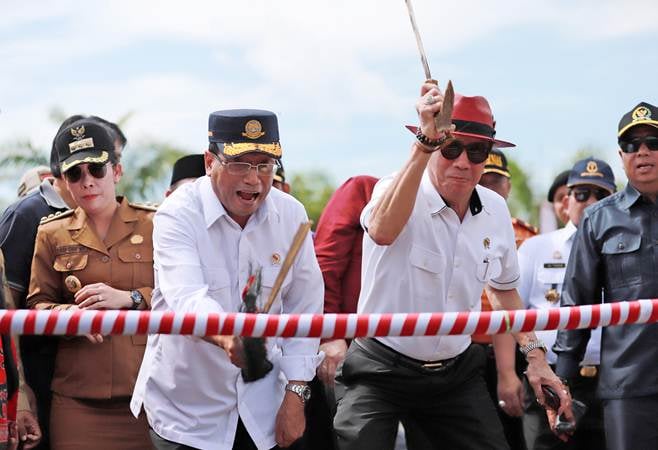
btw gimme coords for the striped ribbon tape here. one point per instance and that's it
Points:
(78, 322)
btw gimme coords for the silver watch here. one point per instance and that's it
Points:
(302, 390)
(532, 345)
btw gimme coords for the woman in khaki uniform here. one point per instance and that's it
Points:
(99, 256)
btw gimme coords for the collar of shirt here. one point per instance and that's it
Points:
(629, 196)
(568, 232)
(436, 203)
(213, 209)
(50, 195)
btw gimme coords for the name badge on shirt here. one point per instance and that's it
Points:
(554, 265)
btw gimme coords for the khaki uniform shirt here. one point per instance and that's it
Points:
(67, 245)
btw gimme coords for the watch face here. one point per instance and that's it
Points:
(306, 393)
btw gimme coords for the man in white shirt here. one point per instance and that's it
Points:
(543, 261)
(433, 240)
(209, 236)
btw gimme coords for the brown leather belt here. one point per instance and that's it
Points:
(396, 358)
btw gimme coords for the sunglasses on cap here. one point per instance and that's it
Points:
(96, 170)
(477, 152)
(633, 145)
(582, 194)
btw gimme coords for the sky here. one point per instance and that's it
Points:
(342, 76)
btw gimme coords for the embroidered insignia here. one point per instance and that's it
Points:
(253, 130)
(641, 113)
(487, 243)
(592, 167)
(72, 283)
(136, 239)
(78, 133)
(552, 295)
(276, 259)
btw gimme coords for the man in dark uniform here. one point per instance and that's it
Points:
(18, 230)
(614, 250)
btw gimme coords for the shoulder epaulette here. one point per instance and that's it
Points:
(145, 206)
(525, 225)
(55, 216)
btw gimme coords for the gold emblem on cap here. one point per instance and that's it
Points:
(592, 170)
(253, 129)
(136, 239)
(557, 254)
(487, 243)
(72, 283)
(494, 160)
(641, 113)
(276, 258)
(78, 133)
(552, 295)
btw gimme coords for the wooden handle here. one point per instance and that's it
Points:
(297, 242)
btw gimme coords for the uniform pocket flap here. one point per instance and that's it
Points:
(425, 259)
(70, 262)
(135, 253)
(551, 276)
(216, 278)
(622, 243)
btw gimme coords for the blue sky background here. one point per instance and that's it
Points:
(343, 76)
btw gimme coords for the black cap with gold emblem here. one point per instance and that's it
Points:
(496, 163)
(240, 131)
(84, 141)
(592, 171)
(643, 114)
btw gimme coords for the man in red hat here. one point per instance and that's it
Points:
(433, 240)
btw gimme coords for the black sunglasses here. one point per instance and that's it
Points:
(582, 194)
(96, 170)
(633, 145)
(476, 152)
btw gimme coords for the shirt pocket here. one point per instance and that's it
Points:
(426, 269)
(71, 262)
(218, 282)
(136, 265)
(490, 268)
(269, 275)
(551, 276)
(624, 260)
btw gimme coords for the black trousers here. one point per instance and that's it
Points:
(588, 435)
(242, 441)
(631, 423)
(452, 407)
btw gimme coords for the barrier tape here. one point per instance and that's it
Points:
(121, 322)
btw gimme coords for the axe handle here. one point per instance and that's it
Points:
(297, 242)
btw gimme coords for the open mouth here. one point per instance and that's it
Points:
(248, 196)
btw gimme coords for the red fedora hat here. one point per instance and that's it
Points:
(472, 117)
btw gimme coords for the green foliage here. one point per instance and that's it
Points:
(521, 200)
(313, 189)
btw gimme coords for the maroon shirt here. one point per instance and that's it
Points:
(338, 244)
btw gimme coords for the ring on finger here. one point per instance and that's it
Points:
(100, 298)
(502, 403)
(430, 99)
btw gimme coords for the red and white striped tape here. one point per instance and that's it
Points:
(327, 325)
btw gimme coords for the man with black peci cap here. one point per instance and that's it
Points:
(186, 169)
(433, 239)
(543, 261)
(557, 194)
(210, 236)
(615, 251)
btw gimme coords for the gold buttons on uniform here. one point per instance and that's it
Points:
(72, 283)
(68, 264)
(105, 259)
(138, 256)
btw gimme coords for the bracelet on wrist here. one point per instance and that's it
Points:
(431, 145)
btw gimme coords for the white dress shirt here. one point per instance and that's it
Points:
(438, 264)
(191, 392)
(543, 261)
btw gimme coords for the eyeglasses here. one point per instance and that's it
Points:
(476, 152)
(633, 145)
(243, 168)
(96, 170)
(582, 194)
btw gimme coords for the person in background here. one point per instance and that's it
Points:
(497, 177)
(98, 257)
(186, 169)
(557, 195)
(280, 179)
(32, 179)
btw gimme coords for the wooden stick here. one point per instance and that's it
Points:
(297, 242)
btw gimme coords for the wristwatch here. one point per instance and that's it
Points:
(137, 298)
(302, 390)
(532, 345)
